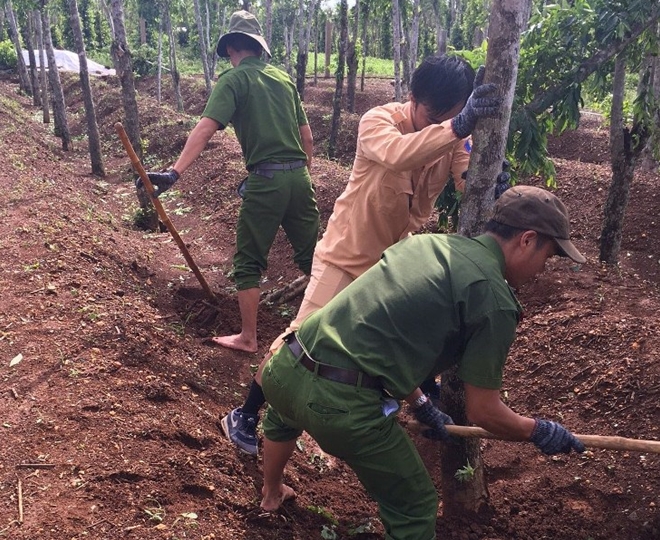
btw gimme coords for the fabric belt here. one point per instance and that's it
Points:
(332, 373)
(266, 169)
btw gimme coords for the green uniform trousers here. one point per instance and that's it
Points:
(348, 422)
(288, 200)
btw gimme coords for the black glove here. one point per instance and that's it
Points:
(162, 181)
(503, 180)
(553, 438)
(433, 417)
(482, 103)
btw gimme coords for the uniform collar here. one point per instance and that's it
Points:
(493, 246)
(250, 60)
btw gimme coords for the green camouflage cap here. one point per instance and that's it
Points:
(242, 22)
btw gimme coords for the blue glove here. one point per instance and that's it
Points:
(503, 180)
(553, 438)
(482, 103)
(162, 181)
(433, 417)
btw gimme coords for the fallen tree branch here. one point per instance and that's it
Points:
(288, 292)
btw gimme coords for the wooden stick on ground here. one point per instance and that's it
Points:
(159, 208)
(590, 441)
(20, 501)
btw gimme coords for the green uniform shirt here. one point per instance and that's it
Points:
(263, 105)
(431, 302)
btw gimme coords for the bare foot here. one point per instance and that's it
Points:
(237, 342)
(270, 503)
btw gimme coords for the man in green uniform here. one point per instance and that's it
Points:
(263, 105)
(432, 302)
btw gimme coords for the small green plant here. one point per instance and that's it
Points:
(325, 513)
(30, 267)
(155, 512)
(465, 474)
(367, 527)
(329, 533)
(448, 205)
(145, 60)
(8, 58)
(285, 311)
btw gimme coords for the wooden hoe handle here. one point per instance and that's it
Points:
(159, 208)
(590, 441)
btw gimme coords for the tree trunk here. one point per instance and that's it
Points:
(210, 49)
(203, 47)
(301, 57)
(352, 62)
(651, 153)
(288, 44)
(461, 498)
(94, 139)
(43, 78)
(339, 87)
(328, 47)
(269, 21)
(2, 25)
(625, 149)
(34, 74)
(490, 137)
(413, 39)
(365, 41)
(121, 56)
(440, 31)
(176, 83)
(316, 48)
(617, 198)
(396, 27)
(143, 31)
(61, 126)
(441, 42)
(301, 67)
(159, 72)
(14, 35)
(123, 61)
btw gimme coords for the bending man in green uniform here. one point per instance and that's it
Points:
(433, 301)
(263, 105)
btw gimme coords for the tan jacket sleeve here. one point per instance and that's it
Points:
(460, 162)
(382, 141)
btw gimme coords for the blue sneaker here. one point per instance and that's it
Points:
(241, 429)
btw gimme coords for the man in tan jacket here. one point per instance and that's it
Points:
(405, 154)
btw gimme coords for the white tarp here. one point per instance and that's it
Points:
(68, 61)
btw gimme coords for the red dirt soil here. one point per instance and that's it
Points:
(110, 392)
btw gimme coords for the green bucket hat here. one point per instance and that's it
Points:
(242, 22)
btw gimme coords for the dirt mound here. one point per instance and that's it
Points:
(110, 392)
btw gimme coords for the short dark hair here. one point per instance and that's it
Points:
(242, 42)
(507, 232)
(442, 82)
